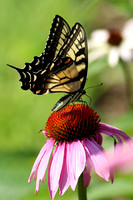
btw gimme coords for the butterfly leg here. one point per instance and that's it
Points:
(72, 108)
(90, 99)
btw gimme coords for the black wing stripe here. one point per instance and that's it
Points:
(74, 43)
(60, 30)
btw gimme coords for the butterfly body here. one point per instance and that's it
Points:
(67, 99)
(62, 67)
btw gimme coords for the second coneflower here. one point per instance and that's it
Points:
(115, 44)
(76, 134)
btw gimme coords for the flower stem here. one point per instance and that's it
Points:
(82, 195)
(127, 75)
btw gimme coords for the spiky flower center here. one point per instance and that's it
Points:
(71, 123)
(115, 37)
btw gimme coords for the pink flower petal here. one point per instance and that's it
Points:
(71, 179)
(86, 175)
(99, 138)
(73, 166)
(46, 148)
(78, 158)
(55, 167)
(64, 177)
(103, 154)
(110, 130)
(97, 158)
(122, 158)
(42, 166)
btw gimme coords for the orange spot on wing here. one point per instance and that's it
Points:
(38, 91)
(33, 85)
(67, 61)
(59, 63)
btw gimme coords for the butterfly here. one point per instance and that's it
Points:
(62, 67)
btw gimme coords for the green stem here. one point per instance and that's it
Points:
(82, 195)
(128, 80)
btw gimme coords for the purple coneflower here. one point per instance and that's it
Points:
(122, 158)
(75, 135)
(114, 43)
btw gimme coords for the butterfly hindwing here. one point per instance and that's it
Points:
(59, 33)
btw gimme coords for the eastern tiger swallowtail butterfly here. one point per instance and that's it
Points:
(62, 67)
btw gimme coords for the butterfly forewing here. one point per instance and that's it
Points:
(71, 74)
(59, 33)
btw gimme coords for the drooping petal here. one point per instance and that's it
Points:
(113, 57)
(107, 169)
(64, 177)
(110, 130)
(97, 158)
(40, 172)
(122, 158)
(86, 174)
(78, 158)
(46, 148)
(67, 177)
(118, 138)
(99, 138)
(55, 167)
(97, 144)
(72, 181)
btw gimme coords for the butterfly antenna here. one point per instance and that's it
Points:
(94, 86)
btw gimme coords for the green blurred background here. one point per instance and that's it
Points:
(24, 29)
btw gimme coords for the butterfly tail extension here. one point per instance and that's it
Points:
(14, 67)
(24, 78)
